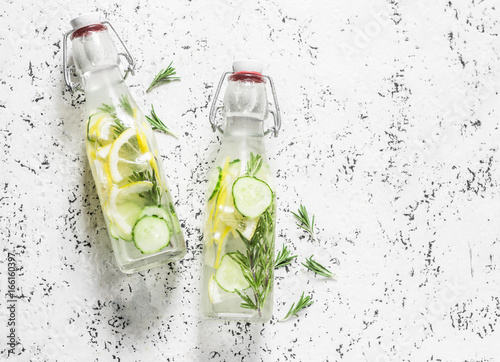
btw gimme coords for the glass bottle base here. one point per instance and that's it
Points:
(238, 317)
(131, 260)
(135, 266)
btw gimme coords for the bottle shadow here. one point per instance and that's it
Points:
(230, 340)
(134, 302)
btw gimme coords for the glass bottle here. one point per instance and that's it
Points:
(240, 213)
(122, 153)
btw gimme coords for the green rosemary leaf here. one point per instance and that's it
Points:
(154, 195)
(254, 164)
(241, 259)
(125, 104)
(247, 242)
(156, 123)
(304, 221)
(172, 209)
(164, 76)
(257, 263)
(283, 258)
(118, 127)
(106, 108)
(316, 267)
(247, 303)
(301, 304)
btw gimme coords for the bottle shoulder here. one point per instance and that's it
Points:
(243, 160)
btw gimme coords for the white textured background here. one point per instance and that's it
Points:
(390, 136)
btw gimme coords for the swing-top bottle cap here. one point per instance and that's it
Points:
(248, 65)
(85, 20)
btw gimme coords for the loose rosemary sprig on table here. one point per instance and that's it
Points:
(156, 123)
(304, 221)
(164, 76)
(257, 263)
(301, 304)
(254, 164)
(316, 267)
(283, 258)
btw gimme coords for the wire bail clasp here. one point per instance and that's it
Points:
(275, 112)
(70, 70)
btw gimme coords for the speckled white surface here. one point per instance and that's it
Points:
(390, 136)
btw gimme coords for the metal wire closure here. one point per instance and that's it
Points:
(214, 108)
(274, 112)
(69, 70)
(131, 62)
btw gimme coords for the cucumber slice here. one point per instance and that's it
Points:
(214, 183)
(151, 234)
(91, 137)
(154, 211)
(251, 196)
(172, 221)
(175, 220)
(113, 232)
(229, 275)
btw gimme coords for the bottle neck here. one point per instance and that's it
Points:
(106, 86)
(93, 50)
(105, 77)
(244, 127)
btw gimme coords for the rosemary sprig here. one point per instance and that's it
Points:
(154, 195)
(304, 221)
(124, 103)
(127, 107)
(106, 108)
(118, 127)
(156, 123)
(257, 263)
(164, 76)
(254, 164)
(247, 303)
(283, 258)
(316, 267)
(301, 304)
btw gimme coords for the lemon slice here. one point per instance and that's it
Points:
(93, 125)
(106, 130)
(103, 175)
(126, 157)
(91, 151)
(143, 145)
(103, 152)
(142, 141)
(250, 226)
(126, 204)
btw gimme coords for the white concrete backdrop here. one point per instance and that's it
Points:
(390, 137)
